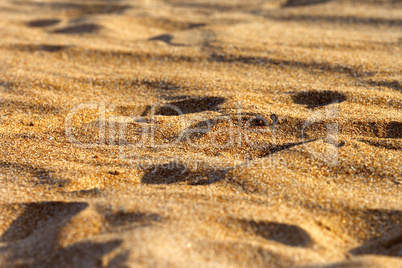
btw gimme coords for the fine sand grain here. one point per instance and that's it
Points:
(175, 133)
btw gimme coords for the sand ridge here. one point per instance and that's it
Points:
(169, 133)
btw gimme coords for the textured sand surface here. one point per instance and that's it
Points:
(175, 133)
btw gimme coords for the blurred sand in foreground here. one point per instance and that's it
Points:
(175, 133)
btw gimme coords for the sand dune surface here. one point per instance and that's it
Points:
(175, 133)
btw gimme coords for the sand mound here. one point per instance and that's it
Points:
(200, 133)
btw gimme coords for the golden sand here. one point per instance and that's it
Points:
(172, 133)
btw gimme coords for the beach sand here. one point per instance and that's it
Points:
(174, 133)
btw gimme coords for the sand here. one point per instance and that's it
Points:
(172, 133)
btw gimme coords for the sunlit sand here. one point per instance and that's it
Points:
(200, 133)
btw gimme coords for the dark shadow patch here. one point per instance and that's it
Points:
(9, 85)
(378, 2)
(120, 260)
(312, 66)
(122, 218)
(44, 47)
(180, 97)
(342, 20)
(362, 224)
(258, 122)
(84, 254)
(77, 9)
(43, 222)
(195, 25)
(376, 221)
(222, 131)
(380, 230)
(86, 193)
(351, 263)
(43, 23)
(188, 106)
(389, 244)
(394, 84)
(42, 175)
(174, 172)
(170, 24)
(335, 143)
(315, 99)
(166, 38)
(52, 48)
(285, 146)
(28, 107)
(200, 129)
(163, 84)
(215, 7)
(287, 234)
(394, 130)
(37, 217)
(168, 173)
(369, 129)
(254, 120)
(117, 56)
(293, 3)
(384, 144)
(79, 29)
